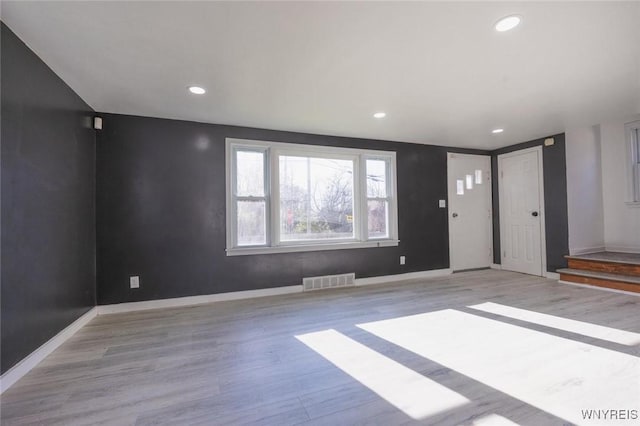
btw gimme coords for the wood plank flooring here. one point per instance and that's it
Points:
(240, 362)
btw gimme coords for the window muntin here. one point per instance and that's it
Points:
(294, 196)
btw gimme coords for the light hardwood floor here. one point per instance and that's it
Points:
(241, 363)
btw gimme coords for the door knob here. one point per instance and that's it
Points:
(455, 215)
(534, 214)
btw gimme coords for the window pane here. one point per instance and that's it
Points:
(637, 145)
(376, 179)
(252, 223)
(459, 187)
(316, 198)
(636, 166)
(478, 177)
(378, 216)
(250, 173)
(469, 179)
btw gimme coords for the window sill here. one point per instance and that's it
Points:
(633, 204)
(311, 247)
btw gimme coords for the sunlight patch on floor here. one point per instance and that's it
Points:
(557, 375)
(411, 392)
(579, 327)
(493, 420)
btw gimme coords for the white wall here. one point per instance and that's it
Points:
(584, 190)
(621, 221)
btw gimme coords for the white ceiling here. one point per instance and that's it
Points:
(440, 71)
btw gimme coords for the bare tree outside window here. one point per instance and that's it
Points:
(284, 197)
(316, 198)
(377, 198)
(251, 200)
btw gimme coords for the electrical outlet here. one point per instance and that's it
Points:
(134, 282)
(402, 260)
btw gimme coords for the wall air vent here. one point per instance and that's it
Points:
(328, 281)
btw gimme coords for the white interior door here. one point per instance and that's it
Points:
(470, 239)
(521, 208)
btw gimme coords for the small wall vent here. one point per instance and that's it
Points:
(328, 281)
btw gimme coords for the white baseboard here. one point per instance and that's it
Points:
(586, 250)
(624, 249)
(387, 279)
(34, 358)
(249, 294)
(195, 300)
(595, 287)
(552, 275)
(496, 266)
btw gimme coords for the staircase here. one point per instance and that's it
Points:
(619, 271)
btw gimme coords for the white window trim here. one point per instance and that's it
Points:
(391, 191)
(274, 245)
(232, 198)
(632, 131)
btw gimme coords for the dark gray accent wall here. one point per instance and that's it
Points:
(555, 204)
(161, 213)
(48, 203)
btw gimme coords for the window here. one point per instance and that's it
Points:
(378, 197)
(251, 197)
(316, 198)
(289, 197)
(636, 163)
(633, 135)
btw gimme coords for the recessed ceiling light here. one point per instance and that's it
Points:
(508, 23)
(380, 114)
(197, 90)
(497, 131)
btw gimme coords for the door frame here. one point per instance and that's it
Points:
(449, 196)
(542, 212)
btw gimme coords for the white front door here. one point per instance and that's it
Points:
(521, 200)
(469, 182)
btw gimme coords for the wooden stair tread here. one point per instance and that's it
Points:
(600, 275)
(609, 257)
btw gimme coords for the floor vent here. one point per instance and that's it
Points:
(328, 281)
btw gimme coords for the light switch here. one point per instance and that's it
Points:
(442, 204)
(134, 282)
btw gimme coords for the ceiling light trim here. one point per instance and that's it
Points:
(507, 23)
(197, 90)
